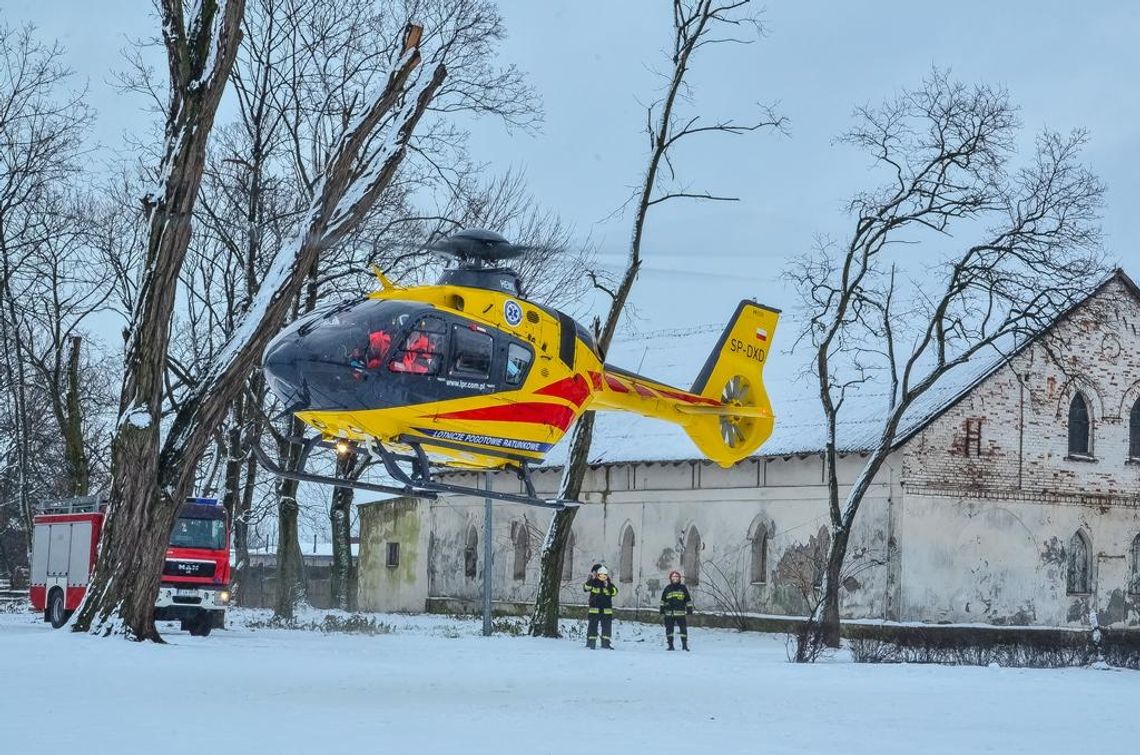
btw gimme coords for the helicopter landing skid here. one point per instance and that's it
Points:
(419, 483)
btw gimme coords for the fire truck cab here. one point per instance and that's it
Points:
(195, 576)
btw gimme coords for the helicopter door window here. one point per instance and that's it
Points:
(470, 353)
(518, 361)
(422, 349)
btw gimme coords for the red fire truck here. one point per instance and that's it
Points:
(195, 578)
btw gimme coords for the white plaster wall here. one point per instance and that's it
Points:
(400, 588)
(661, 507)
(1003, 562)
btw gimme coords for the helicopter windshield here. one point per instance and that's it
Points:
(341, 348)
(373, 353)
(359, 335)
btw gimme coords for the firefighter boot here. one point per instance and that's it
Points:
(669, 639)
(684, 644)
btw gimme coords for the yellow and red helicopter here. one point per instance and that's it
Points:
(468, 374)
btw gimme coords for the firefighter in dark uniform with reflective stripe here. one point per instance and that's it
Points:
(602, 592)
(676, 605)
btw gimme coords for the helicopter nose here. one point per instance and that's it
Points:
(282, 366)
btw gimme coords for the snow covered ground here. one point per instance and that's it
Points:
(434, 686)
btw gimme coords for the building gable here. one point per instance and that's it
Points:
(1009, 431)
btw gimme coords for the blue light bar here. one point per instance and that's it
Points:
(204, 501)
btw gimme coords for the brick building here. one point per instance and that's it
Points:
(1012, 497)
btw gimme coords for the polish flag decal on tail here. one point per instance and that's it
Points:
(761, 334)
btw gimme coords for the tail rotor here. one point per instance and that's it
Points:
(735, 428)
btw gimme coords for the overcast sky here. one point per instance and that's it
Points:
(1067, 65)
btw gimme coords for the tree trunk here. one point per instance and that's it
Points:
(548, 602)
(72, 429)
(12, 341)
(241, 518)
(232, 487)
(254, 398)
(832, 582)
(291, 587)
(7, 568)
(290, 564)
(135, 534)
(823, 627)
(231, 477)
(340, 514)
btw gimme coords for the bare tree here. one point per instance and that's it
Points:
(363, 161)
(997, 252)
(200, 52)
(696, 24)
(66, 285)
(723, 581)
(41, 133)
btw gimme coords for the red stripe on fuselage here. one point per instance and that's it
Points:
(573, 389)
(643, 391)
(646, 392)
(688, 398)
(616, 385)
(535, 412)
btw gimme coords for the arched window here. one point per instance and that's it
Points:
(1079, 564)
(691, 556)
(1134, 584)
(1134, 431)
(1080, 426)
(520, 537)
(625, 563)
(471, 554)
(568, 558)
(759, 568)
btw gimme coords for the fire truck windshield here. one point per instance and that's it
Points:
(209, 534)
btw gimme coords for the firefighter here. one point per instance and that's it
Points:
(602, 592)
(676, 605)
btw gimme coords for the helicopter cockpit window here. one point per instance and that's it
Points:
(518, 360)
(365, 331)
(422, 349)
(470, 353)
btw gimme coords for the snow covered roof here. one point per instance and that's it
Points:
(799, 429)
(665, 294)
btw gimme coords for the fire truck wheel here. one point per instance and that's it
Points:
(201, 625)
(56, 613)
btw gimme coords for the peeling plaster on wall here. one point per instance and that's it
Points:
(1078, 609)
(1115, 609)
(1053, 552)
(1024, 617)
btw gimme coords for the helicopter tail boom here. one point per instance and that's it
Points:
(727, 412)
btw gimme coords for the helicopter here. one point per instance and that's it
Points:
(469, 375)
